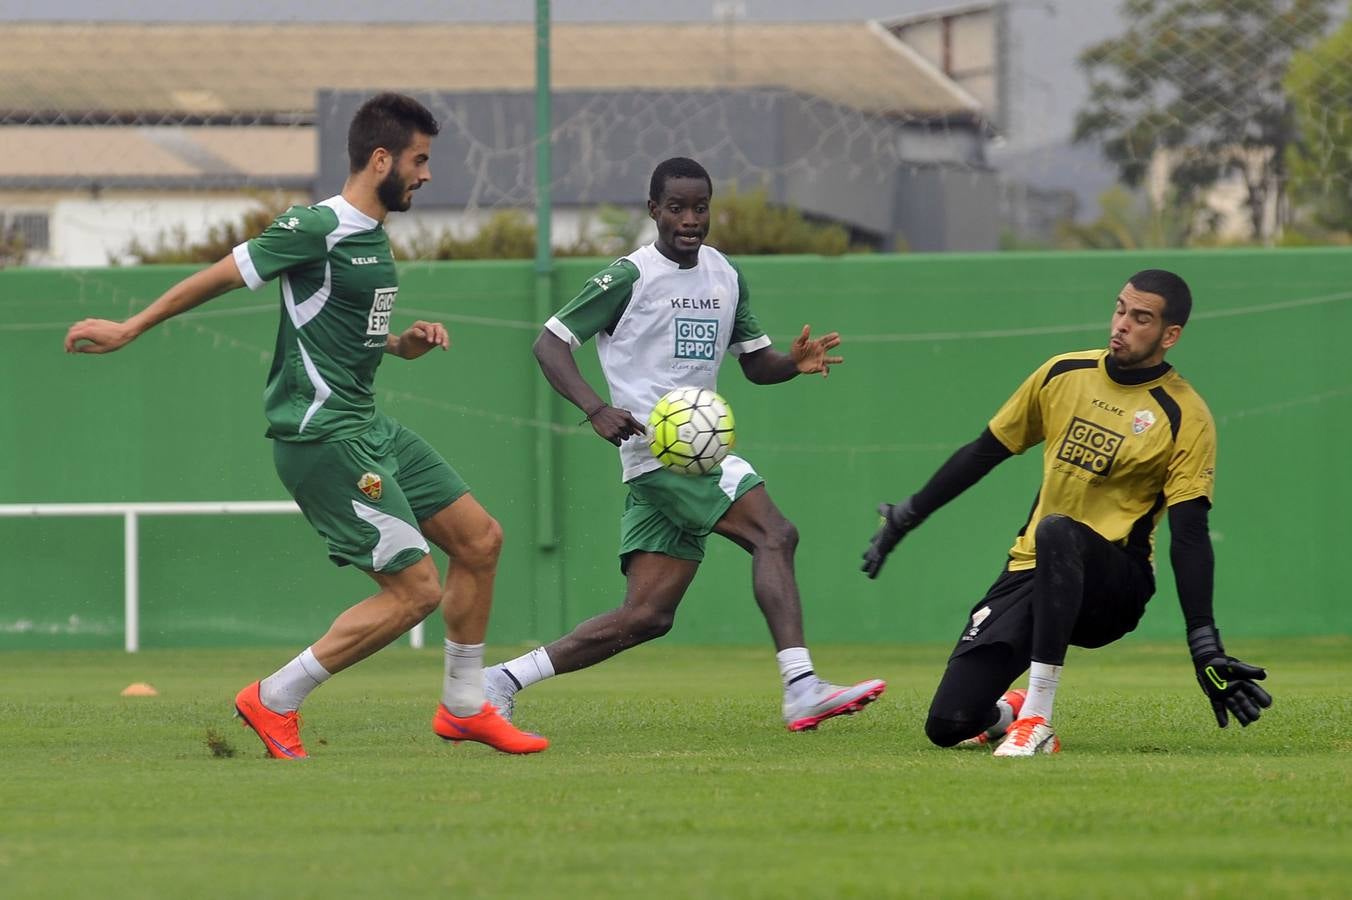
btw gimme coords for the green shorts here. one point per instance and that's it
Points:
(365, 495)
(673, 514)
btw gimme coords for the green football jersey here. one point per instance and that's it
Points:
(338, 286)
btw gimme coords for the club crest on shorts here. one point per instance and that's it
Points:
(1143, 419)
(978, 617)
(369, 484)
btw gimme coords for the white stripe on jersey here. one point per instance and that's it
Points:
(322, 389)
(247, 270)
(562, 332)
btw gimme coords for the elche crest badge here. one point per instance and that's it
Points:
(369, 484)
(978, 617)
(1143, 419)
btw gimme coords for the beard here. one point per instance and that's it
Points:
(1127, 359)
(391, 192)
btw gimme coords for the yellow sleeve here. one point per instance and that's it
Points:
(1192, 468)
(1018, 424)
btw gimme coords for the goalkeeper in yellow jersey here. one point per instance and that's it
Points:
(1125, 438)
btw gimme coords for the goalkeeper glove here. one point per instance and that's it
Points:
(1227, 682)
(898, 519)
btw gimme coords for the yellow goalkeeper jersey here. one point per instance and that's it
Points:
(1116, 454)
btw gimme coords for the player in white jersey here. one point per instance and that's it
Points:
(375, 491)
(663, 317)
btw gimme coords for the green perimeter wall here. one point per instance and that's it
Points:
(933, 345)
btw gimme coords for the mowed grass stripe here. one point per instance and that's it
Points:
(671, 776)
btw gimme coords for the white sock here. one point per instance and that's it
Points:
(462, 692)
(530, 668)
(286, 689)
(1042, 681)
(795, 668)
(1006, 718)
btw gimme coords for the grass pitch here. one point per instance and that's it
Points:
(670, 776)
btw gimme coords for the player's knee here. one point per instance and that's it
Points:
(426, 601)
(945, 732)
(482, 551)
(419, 592)
(650, 624)
(1057, 531)
(781, 536)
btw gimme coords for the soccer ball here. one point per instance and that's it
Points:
(692, 430)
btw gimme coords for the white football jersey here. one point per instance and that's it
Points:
(660, 327)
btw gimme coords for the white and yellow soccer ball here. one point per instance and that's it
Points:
(692, 430)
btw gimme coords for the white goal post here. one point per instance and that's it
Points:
(131, 515)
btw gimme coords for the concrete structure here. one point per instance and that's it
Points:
(101, 122)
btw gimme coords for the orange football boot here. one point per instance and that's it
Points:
(279, 732)
(486, 727)
(1014, 697)
(1029, 737)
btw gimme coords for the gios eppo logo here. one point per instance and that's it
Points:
(382, 304)
(696, 338)
(1089, 446)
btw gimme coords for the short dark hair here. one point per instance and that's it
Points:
(1174, 290)
(389, 121)
(676, 167)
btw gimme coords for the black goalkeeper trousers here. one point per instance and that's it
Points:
(1085, 591)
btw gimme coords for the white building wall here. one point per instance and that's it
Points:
(98, 232)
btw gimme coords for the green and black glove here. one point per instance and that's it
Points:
(898, 520)
(1227, 682)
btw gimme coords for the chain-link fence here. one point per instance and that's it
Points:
(1220, 120)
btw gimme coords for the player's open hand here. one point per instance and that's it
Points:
(616, 425)
(420, 337)
(97, 336)
(1227, 682)
(1229, 685)
(810, 355)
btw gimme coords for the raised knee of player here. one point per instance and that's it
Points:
(483, 549)
(650, 624)
(1055, 531)
(417, 589)
(781, 536)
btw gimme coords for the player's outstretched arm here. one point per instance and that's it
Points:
(105, 335)
(561, 371)
(417, 339)
(806, 356)
(968, 465)
(1227, 682)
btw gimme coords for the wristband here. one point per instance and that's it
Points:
(593, 413)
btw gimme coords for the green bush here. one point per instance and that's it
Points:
(746, 223)
(743, 223)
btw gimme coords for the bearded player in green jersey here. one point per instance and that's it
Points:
(373, 489)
